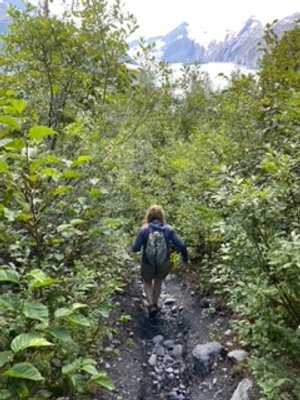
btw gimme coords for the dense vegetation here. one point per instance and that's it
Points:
(87, 142)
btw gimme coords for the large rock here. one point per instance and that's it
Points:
(242, 392)
(203, 356)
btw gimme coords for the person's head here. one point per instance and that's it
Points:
(154, 212)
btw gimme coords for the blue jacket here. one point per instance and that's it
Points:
(169, 235)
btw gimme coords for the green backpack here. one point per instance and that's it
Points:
(156, 248)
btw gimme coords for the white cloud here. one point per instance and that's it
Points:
(158, 17)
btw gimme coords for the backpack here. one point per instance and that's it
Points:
(156, 248)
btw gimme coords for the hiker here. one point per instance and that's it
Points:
(155, 237)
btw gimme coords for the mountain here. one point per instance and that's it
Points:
(180, 46)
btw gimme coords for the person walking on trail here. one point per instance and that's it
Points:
(155, 237)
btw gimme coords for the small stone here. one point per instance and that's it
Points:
(177, 350)
(152, 360)
(158, 370)
(158, 339)
(169, 344)
(168, 360)
(172, 395)
(237, 356)
(170, 300)
(182, 368)
(159, 350)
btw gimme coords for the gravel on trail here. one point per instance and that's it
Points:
(181, 354)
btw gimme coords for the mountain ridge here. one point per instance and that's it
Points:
(179, 46)
(182, 45)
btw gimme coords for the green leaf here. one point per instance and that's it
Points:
(52, 159)
(10, 215)
(39, 133)
(23, 217)
(5, 394)
(62, 312)
(62, 190)
(18, 105)
(81, 160)
(36, 274)
(70, 174)
(51, 172)
(72, 367)
(4, 169)
(8, 275)
(24, 370)
(103, 380)
(42, 395)
(90, 369)
(15, 145)
(26, 340)
(36, 310)
(40, 279)
(5, 357)
(95, 193)
(94, 181)
(79, 384)
(269, 166)
(88, 361)
(105, 311)
(78, 319)
(63, 227)
(77, 221)
(77, 306)
(11, 301)
(61, 333)
(10, 121)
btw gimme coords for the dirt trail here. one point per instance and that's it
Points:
(152, 359)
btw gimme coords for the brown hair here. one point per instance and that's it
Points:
(154, 212)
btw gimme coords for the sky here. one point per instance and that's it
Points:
(158, 17)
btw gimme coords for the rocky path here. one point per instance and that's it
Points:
(188, 352)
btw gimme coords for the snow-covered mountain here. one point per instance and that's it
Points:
(181, 45)
(186, 45)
